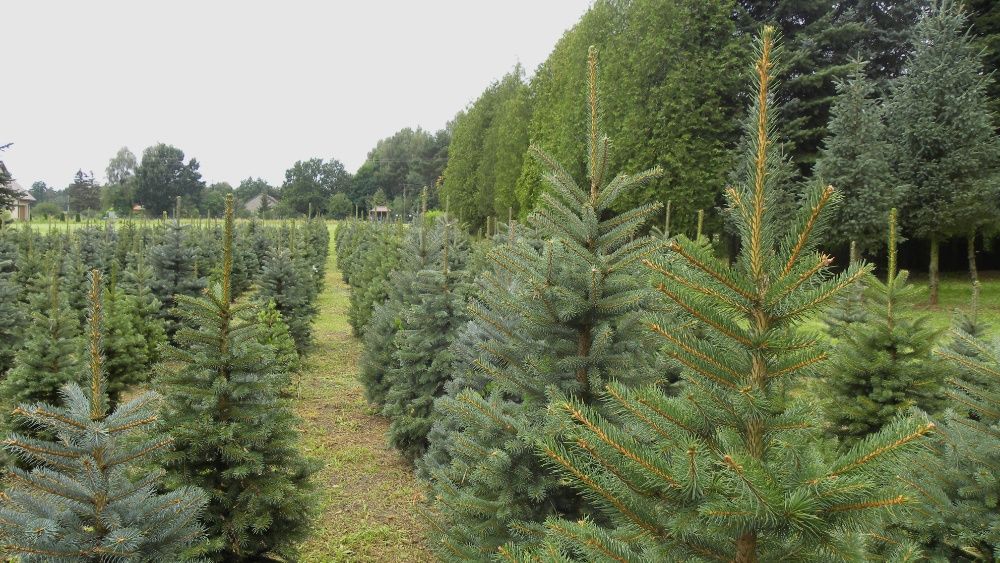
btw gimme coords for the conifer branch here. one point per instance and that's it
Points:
(807, 230)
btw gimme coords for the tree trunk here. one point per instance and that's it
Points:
(746, 549)
(934, 272)
(855, 255)
(973, 271)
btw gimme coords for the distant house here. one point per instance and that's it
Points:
(256, 202)
(379, 213)
(22, 205)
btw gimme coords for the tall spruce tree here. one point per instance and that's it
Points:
(854, 161)
(575, 299)
(730, 469)
(87, 497)
(429, 320)
(884, 365)
(233, 430)
(944, 146)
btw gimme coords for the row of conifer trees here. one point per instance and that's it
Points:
(583, 387)
(146, 391)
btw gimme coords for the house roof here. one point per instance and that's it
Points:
(23, 194)
(254, 203)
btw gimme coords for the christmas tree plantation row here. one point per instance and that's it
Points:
(205, 465)
(574, 389)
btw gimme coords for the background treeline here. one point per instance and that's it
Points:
(671, 85)
(146, 372)
(581, 385)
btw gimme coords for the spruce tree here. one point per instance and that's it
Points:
(729, 469)
(87, 497)
(884, 365)
(146, 319)
(48, 359)
(233, 430)
(13, 318)
(174, 272)
(376, 257)
(963, 518)
(291, 287)
(431, 315)
(126, 359)
(854, 161)
(573, 300)
(944, 146)
(274, 334)
(417, 253)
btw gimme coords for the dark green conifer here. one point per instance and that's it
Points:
(234, 432)
(729, 469)
(559, 318)
(854, 160)
(86, 498)
(884, 365)
(944, 146)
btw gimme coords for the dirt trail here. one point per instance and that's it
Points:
(369, 494)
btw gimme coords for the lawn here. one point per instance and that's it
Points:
(368, 492)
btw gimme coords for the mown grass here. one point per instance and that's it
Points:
(368, 493)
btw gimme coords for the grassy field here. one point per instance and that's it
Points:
(368, 492)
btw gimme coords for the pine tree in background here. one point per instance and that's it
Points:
(48, 360)
(884, 365)
(728, 469)
(173, 263)
(853, 161)
(432, 314)
(126, 360)
(146, 319)
(274, 334)
(574, 300)
(87, 498)
(944, 146)
(963, 518)
(290, 287)
(234, 433)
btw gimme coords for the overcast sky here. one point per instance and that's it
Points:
(248, 88)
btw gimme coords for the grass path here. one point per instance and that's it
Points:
(368, 492)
